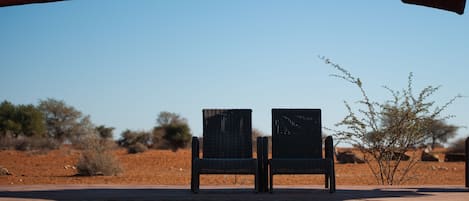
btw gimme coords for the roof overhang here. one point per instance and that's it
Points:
(456, 6)
(22, 2)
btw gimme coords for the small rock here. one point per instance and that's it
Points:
(4, 171)
(180, 169)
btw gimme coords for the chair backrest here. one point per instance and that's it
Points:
(296, 133)
(227, 133)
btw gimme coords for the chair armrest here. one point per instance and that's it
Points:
(259, 146)
(329, 148)
(195, 148)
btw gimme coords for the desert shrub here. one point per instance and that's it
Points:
(137, 148)
(23, 143)
(35, 143)
(84, 143)
(385, 131)
(129, 138)
(96, 159)
(7, 141)
(459, 146)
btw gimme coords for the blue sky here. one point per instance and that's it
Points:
(122, 62)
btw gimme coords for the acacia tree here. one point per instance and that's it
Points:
(385, 132)
(439, 132)
(64, 122)
(105, 132)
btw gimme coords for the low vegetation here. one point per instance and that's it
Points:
(97, 160)
(172, 131)
(458, 146)
(386, 132)
(23, 143)
(137, 148)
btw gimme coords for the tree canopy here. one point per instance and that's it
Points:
(174, 129)
(19, 120)
(64, 122)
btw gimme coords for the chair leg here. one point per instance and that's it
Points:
(271, 189)
(192, 183)
(197, 182)
(256, 182)
(265, 181)
(332, 179)
(195, 179)
(332, 185)
(326, 180)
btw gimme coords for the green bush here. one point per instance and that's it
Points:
(174, 131)
(129, 138)
(178, 136)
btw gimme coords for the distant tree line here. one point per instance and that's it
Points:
(171, 132)
(52, 122)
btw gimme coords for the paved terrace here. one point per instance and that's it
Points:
(242, 193)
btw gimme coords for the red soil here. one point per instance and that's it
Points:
(160, 167)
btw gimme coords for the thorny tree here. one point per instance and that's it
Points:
(385, 132)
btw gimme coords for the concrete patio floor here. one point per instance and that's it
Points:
(149, 192)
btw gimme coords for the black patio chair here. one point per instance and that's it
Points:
(227, 146)
(467, 162)
(297, 145)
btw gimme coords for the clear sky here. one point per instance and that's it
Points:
(122, 62)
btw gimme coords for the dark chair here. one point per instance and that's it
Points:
(297, 145)
(227, 146)
(467, 162)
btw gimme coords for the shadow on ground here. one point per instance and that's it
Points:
(223, 194)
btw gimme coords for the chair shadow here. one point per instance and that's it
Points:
(118, 194)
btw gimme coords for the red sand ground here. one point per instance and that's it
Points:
(160, 167)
